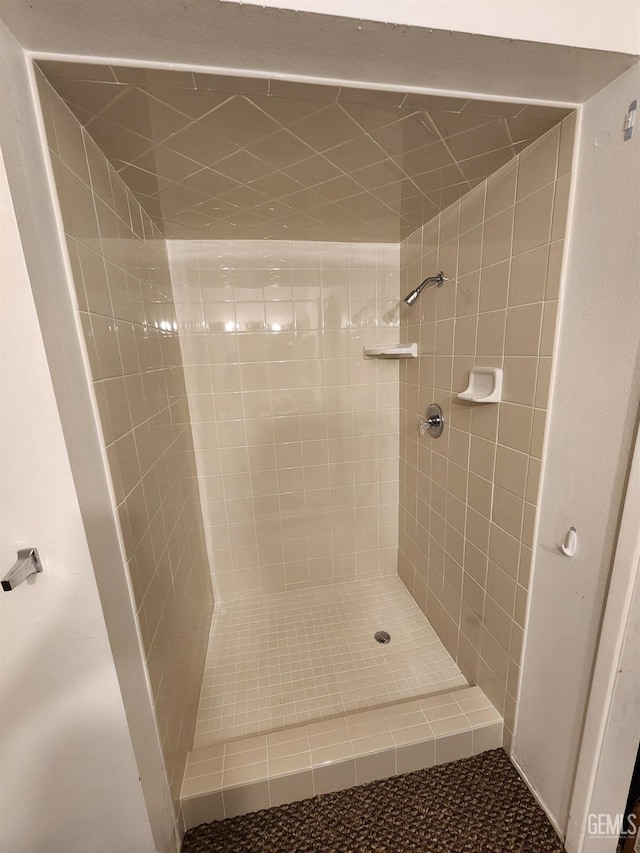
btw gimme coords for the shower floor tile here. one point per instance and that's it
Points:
(283, 659)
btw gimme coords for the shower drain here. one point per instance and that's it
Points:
(382, 637)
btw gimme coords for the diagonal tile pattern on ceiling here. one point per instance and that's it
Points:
(214, 157)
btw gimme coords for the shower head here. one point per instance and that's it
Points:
(438, 280)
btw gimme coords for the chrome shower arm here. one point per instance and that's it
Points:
(438, 280)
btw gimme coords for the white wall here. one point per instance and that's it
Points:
(594, 415)
(253, 39)
(603, 24)
(612, 726)
(38, 218)
(69, 778)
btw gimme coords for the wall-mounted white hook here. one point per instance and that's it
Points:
(570, 544)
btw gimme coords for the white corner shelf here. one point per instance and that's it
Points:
(397, 351)
(485, 385)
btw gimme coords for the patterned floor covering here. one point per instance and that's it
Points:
(479, 805)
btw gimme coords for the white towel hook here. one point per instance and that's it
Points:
(570, 544)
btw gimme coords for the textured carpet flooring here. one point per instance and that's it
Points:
(477, 804)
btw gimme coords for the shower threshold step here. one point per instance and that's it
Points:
(241, 776)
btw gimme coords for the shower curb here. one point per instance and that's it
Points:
(240, 776)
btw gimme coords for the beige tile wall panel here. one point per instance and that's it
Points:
(468, 500)
(296, 433)
(213, 157)
(124, 297)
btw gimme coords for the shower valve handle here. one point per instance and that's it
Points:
(433, 423)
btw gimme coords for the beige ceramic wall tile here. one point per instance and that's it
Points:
(501, 189)
(529, 277)
(533, 220)
(537, 164)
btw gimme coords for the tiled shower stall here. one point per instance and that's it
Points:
(234, 245)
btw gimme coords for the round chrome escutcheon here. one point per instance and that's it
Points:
(433, 423)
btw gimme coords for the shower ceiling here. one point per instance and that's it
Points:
(214, 157)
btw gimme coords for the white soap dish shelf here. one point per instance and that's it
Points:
(397, 351)
(485, 385)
